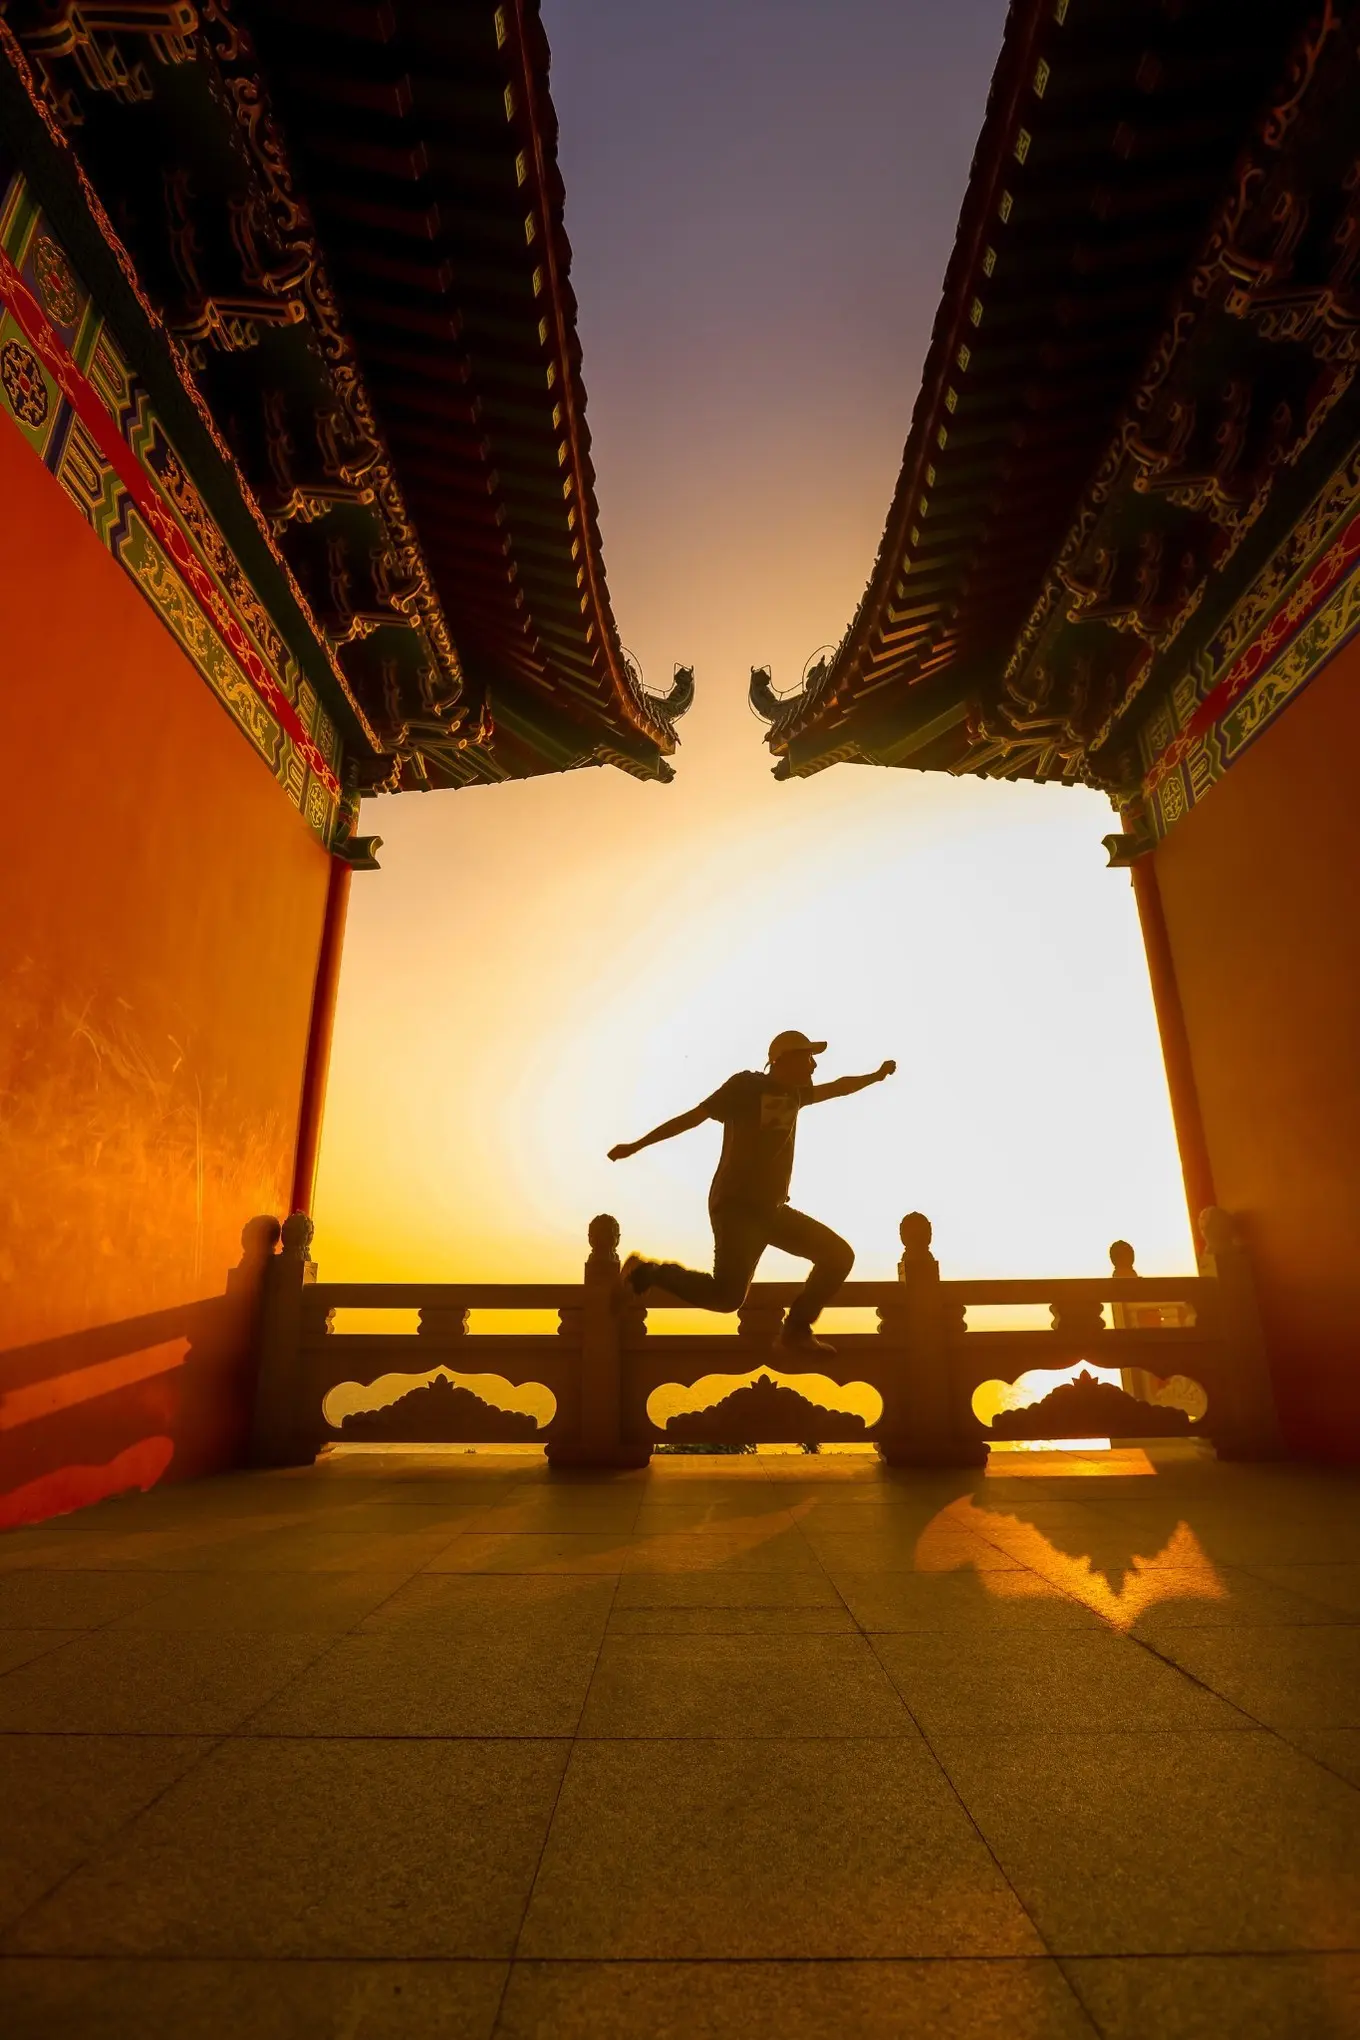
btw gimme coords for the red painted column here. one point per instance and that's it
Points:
(1196, 1169)
(319, 1037)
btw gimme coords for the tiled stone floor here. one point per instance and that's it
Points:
(444, 1745)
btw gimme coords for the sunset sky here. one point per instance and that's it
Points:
(761, 200)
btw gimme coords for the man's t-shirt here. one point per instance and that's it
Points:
(759, 1116)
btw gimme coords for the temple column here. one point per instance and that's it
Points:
(1196, 1169)
(319, 1037)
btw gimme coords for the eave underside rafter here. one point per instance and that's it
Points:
(1109, 140)
(349, 220)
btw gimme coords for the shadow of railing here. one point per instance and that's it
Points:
(95, 1412)
(907, 1387)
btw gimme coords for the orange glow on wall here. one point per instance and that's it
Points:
(1258, 884)
(158, 948)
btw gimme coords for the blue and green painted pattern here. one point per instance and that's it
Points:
(1299, 612)
(33, 403)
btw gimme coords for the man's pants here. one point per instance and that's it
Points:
(741, 1233)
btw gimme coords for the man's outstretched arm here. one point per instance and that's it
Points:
(666, 1131)
(844, 1087)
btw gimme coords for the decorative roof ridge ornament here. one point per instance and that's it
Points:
(680, 699)
(768, 705)
(778, 709)
(677, 701)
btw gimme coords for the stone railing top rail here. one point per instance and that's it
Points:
(442, 1295)
(326, 1296)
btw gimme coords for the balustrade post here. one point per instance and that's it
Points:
(287, 1428)
(1248, 1427)
(759, 1324)
(442, 1325)
(599, 1439)
(920, 1425)
(1077, 1320)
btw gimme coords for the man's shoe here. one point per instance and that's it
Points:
(628, 1291)
(801, 1339)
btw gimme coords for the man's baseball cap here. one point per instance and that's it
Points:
(791, 1040)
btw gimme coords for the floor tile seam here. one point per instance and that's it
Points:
(550, 1822)
(1345, 1621)
(401, 1735)
(60, 1639)
(1321, 1763)
(1146, 1643)
(959, 1801)
(93, 1628)
(106, 1843)
(1349, 1618)
(322, 1961)
(727, 1738)
(763, 1962)
(858, 1735)
(1019, 1565)
(1311, 1954)
(863, 1634)
(867, 1638)
(289, 1679)
(354, 1629)
(1318, 1951)
(505, 1572)
(1010, 1734)
(200, 1735)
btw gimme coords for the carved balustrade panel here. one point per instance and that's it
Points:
(442, 1385)
(1123, 1356)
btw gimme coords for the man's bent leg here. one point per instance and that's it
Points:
(832, 1258)
(740, 1235)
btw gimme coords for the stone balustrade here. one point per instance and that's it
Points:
(906, 1385)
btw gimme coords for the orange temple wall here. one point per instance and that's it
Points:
(1260, 884)
(158, 948)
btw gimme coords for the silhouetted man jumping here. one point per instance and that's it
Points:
(748, 1202)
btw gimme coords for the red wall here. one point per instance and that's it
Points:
(1261, 888)
(158, 944)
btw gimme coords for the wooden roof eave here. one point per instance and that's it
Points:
(497, 225)
(1025, 26)
(71, 200)
(933, 501)
(531, 45)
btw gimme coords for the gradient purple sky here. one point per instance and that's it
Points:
(761, 197)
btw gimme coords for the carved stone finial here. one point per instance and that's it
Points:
(916, 1234)
(1217, 1230)
(297, 1231)
(917, 1265)
(1121, 1260)
(603, 1234)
